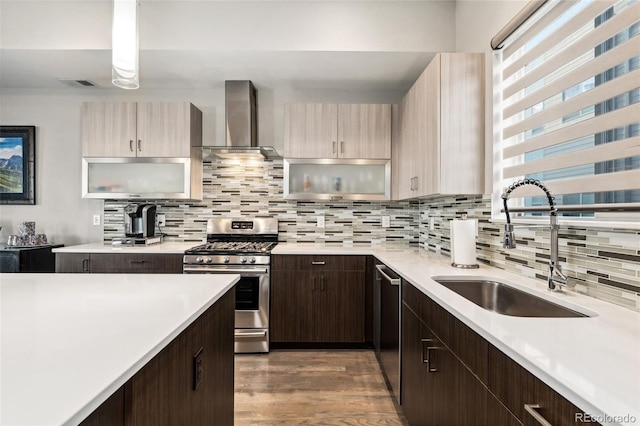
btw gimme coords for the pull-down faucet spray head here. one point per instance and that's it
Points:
(509, 241)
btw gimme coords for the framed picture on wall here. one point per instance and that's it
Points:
(17, 164)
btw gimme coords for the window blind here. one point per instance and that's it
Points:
(569, 86)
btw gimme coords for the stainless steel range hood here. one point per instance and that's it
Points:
(241, 123)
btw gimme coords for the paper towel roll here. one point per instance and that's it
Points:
(463, 243)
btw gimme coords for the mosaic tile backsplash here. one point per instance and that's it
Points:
(236, 189)
(604, 264)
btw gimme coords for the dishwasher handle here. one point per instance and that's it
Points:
(392, 281)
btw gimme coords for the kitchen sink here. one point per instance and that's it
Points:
(504, 299)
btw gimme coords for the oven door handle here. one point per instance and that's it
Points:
(262, 333)
(241, 271)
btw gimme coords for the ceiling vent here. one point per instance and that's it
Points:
(77, 83)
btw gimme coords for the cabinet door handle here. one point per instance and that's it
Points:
(416, 185)
(85, 265)
(341, 147)
(313, 283)
(318, 262)
(139, 145)
(334, 147)
(431, 368)
(322, 283)
(131, 145)
(531, 409)
(427, 360)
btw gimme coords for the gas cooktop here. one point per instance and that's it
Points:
(233, 247)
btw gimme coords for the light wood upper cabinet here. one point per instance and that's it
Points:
(109, 129)
(364, 131)
(310, 130)
(142, 129)
(348, 131)
(441, 130)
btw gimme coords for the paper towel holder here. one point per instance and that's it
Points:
(460, 265)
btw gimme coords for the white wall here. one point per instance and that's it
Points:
(477, 22)
(60, 212)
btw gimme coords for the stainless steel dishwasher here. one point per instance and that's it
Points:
(387, 335)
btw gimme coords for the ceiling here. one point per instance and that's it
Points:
(189, 44)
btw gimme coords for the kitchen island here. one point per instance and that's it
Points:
(72, 342)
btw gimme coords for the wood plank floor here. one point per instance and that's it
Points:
(312, 387)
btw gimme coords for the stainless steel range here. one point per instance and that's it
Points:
(241, 247)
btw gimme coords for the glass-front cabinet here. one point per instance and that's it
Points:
(149, 178)
(335, 179)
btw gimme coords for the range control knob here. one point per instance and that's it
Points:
(252, 260)
(207, 260)
(243, 260)
(199, 259)
(225, 260)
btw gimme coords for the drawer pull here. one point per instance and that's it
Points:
(318, 262)
(531, 409)
(425, 360)
(137, 262)
(431, 368)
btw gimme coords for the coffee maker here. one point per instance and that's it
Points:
(139, 220)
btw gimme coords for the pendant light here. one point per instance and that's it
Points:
(124, 48)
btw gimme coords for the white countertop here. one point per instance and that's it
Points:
(68, 341)
(169, 247)
(593, 362)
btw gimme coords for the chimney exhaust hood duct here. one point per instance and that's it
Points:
(241, 123)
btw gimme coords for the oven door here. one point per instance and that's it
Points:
(252, 292)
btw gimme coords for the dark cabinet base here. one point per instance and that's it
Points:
(190, 382)
(317, 300)
(453, 376)
(119, 263)
(28, 259)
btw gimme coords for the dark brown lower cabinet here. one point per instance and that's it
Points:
(516, 387)
(28, 259)
(116, 263)
(498, 414)
(437, 389)
(453, 376)
(190, 382)
(317, 299)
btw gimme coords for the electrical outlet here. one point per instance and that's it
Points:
(161, 219)
(320, 222)
(96, 219)
(432, 223)
(385, 221)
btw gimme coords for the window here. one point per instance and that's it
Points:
(569, 98)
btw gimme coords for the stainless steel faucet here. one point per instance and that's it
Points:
(556, 279)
